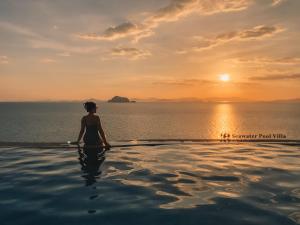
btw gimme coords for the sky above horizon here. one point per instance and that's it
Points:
(80, 49)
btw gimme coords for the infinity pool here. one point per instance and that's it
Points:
(189, 183)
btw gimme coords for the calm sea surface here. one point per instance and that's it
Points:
(48, 122)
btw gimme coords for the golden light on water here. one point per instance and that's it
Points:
(225, 77)
(223, 120)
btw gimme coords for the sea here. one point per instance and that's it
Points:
(170, 164)
(60, 122)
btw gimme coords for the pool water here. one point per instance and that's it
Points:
(189, 183)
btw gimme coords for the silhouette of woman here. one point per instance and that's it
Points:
(91, 127)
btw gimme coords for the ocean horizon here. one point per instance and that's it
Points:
(60, 121)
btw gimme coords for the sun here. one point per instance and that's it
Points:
(224, 77)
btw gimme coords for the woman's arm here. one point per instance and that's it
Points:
(102, 134)
(82, 129)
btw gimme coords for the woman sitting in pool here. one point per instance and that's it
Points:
(91, 127)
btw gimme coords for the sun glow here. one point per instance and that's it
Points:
(225, 77)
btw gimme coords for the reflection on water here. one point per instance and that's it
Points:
(223, 120)
(209, 183)
(91, 159)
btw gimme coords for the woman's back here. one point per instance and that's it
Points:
(91, 136)
(91, 119)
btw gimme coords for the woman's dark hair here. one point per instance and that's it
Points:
(89, 106)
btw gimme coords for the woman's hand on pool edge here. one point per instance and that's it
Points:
(107, 145)
(74, 143)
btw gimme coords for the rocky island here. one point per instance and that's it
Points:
(119, 99)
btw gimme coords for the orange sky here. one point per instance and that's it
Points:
(74, 50)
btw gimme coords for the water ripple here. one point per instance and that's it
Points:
(176, 184)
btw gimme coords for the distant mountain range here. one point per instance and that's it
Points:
(119, 99)
(206, 100)
(296, 100)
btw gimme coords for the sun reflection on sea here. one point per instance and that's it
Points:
(223, 120)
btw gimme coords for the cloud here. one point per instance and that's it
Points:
(121, 31)
(258, 32)
(128, 53)
(133, 53)
(276, 77)
(4, 59)
(172, 12)
(182, 82)
(266, 61)
(277, 2)
(115, 32)
(18, 29)
(217, 6)
(195, 81)
(38, 41)
(144, 29)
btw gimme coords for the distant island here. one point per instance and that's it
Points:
(119, 99)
